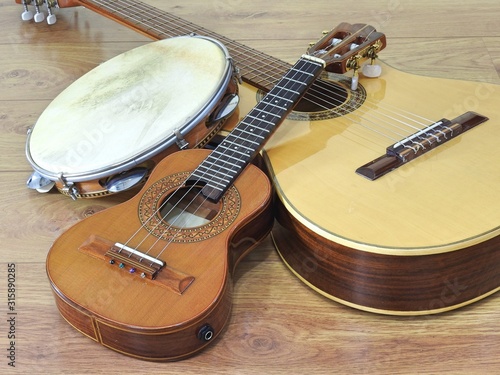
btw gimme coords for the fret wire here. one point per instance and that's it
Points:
(201, 172)
(229, 156)
(235, 144)
(222, 166)
(258, 136)
(252, 144)
(215, 187)
(253, 117)
(208, 170)
(218, 180)
(220, 187)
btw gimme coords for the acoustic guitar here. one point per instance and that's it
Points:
(368, 223)
(151, 277)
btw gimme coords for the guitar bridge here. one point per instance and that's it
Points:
(419, 143)
(135, 262)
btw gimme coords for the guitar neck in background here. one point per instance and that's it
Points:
(255, 68)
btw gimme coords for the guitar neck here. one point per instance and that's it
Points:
(256, 68)
(219, 170)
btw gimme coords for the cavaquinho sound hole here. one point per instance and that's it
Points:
(188, 208)
(329, 97)
(177, 213)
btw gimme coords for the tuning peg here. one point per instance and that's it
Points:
(353, 63)
(39, 16)
(354, 80)
(372, 70)
(51, 18)
(336, 41)
(27, 14)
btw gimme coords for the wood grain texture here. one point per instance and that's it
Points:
(277, 324)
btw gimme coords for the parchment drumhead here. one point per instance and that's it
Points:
(128, 106)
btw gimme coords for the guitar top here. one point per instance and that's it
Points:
(443, 200)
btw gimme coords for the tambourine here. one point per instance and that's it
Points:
(107, 130)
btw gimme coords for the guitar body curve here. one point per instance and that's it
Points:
(187, 304)
(422, 239)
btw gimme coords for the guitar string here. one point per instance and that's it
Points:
(208, 173)
(378, 125)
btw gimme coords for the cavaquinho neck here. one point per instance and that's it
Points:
(219, 170)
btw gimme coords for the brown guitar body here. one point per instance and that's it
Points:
(180, 310)
(385, 283)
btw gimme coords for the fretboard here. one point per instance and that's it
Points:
(224, 164)
(256, 68)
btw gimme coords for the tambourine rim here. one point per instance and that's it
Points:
(147, 154)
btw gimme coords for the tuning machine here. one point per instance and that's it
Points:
(39, 15)
(370, 70)
(347, 47)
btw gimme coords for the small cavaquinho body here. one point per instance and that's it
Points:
(177, 311)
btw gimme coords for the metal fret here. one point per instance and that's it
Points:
(249, 133)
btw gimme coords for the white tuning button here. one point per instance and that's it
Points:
(354, 82)
(51, 19)
(336, 41)
(27, 15)
(39, 17)
(372, 70)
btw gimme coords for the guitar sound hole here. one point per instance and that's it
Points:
(188, 208)
(325, 95)
(329, 97)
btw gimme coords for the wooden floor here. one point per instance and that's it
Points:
(278, 325)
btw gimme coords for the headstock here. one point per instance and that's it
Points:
(49, 6)
(347, 46)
